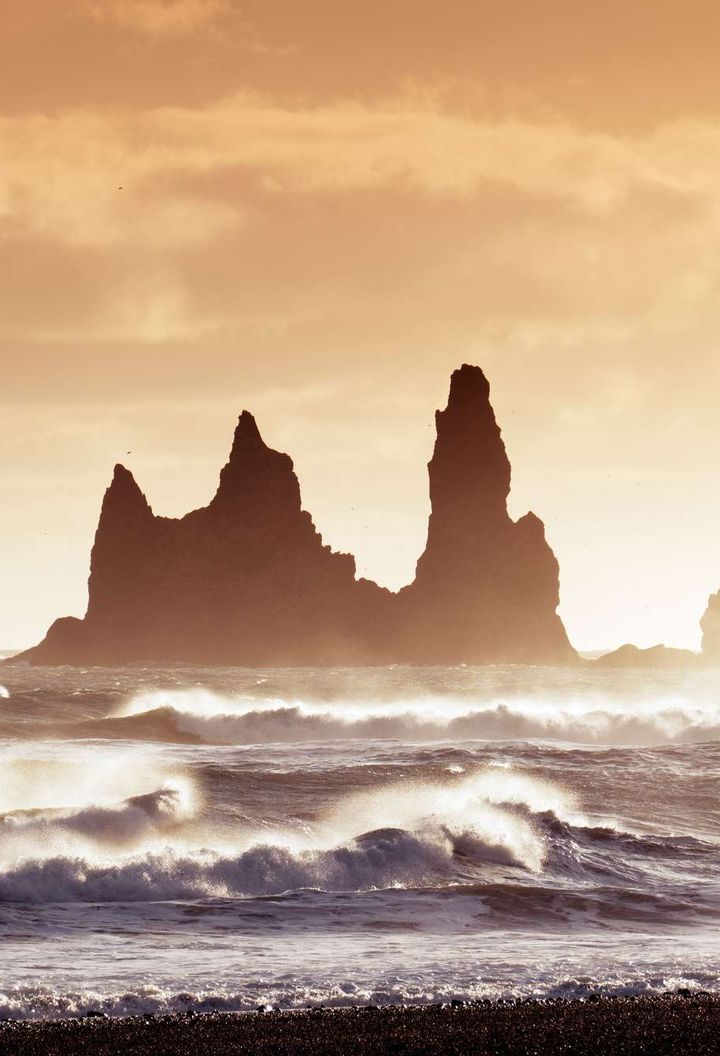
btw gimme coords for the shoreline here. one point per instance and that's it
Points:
(683, 1022)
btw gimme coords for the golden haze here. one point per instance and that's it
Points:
(318, 210)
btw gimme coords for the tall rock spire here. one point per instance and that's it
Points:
(123, 535)
(469, 470)
(469, 459)
(486, 588)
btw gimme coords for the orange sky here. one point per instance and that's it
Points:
(317, 210)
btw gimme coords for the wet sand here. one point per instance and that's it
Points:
(653, 1026)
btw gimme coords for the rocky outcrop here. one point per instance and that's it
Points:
(629, 656)
(486, 587)
(247, 579)
(656, 656)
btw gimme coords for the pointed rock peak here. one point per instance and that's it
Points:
(255, 474)
(123, 497)
(248, 445)
(122, 477)
(247, 441)
(247, 431)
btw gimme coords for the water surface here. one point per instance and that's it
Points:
(174, 839)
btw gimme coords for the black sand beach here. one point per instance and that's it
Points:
(653, 1026)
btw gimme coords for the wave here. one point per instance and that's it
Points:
(136, 817)
(379, 989)
(36, 775)
(205, 717)
(375, 860)
(497, 807)
(90, 801)
(434, 864)
(379, 860)
(407, 834)
(417, 868)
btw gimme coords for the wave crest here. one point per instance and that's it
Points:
(205, 717)
(408, 834)
(375, 860)
(135, 817)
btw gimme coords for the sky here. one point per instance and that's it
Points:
(316, 211)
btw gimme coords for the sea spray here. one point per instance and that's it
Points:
(216, 719)
(353, 836)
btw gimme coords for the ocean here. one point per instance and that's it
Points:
(187, 839)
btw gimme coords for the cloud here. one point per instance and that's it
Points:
(87, 177)
(535, 231)
(159, 18)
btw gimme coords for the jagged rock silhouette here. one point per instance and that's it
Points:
(247, 579)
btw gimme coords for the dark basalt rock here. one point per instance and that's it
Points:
(247, 580)
(486, 588)
(629, 656)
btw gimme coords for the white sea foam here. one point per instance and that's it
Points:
(51, 804)
(446, 858)
(4, 694)
(408, 834)
(355, 977)
(37, 777)
(123, 823)
(592, 719)
(477, 810)
(386, 859)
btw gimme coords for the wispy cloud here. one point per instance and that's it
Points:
(169, 196)
(94, 178)
(159, 18)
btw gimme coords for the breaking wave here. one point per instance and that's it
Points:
(126, 822)
(205, 717)
(431, 834)
(375, 860)
(577, 879)
(91, 802)
(504, 835)
(407, 834)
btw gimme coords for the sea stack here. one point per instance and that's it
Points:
(486, 588)
(247, 580)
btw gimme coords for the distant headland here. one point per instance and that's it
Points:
(248, 581)
(662, 656)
